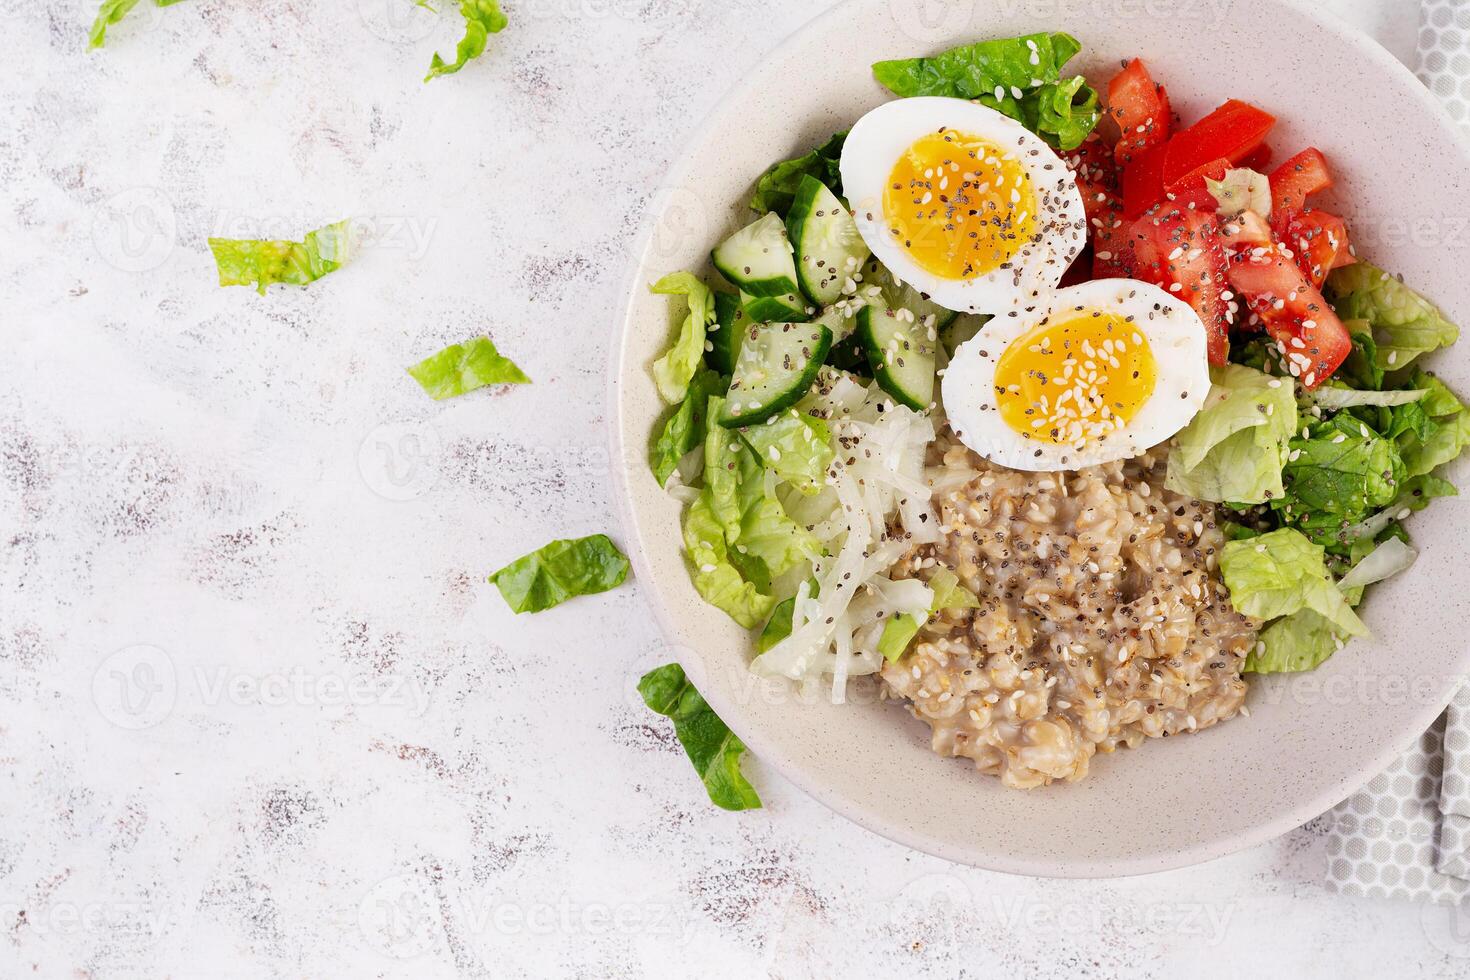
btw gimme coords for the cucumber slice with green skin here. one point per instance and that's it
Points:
(963, 328)
(778, 363)
(791, 308)
(901, 296)
(758, 258)
(829, 250)
(850, 355)
(901, 352)
(725, 334)
(842, 323)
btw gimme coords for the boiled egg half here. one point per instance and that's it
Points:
(1104, 371)
(962, 203)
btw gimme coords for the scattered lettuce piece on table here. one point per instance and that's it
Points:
(1404, 324)
(110, 13)
(1281, 574)
(776, 189)
(686, 427)
(461, 368)
(673, 372)
(1019, 77)
(1233, 451)
(253, 262)
(560, 571)
(714, 750)
(481, 19)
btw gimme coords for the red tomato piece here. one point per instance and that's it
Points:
(1317, 239)
(1094, 163)
(1181, 250)
(1140, 107)
(1311, 338)
(1298, 178)
(1258, 160)
(1214, 170)
(1107, 231)
(1233, 131)
(1143, 181)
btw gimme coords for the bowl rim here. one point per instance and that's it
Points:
(1415, 723)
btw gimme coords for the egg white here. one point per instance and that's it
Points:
(879, 140)
(1173, 331)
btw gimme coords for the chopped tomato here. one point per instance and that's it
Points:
(1317, 239)
(1107, 231)
(1244, 231)
(1298, 178)
(1181, 251)
(1143, 181)
(1312, 339)
(1140, 107)
(1233, 131)
(1259, 159)
(1191, 191)
(1093, 162)
(1214, 170)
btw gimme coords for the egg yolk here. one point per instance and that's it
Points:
(1075, 379)
(959, 204)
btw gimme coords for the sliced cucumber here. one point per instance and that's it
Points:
(901, 352)
(829, 250)
(790, 308)
(778, 363)
(758, 259)
(961, 329)
(842, 322)
(901, 296)
(725, 334)
(850, 355)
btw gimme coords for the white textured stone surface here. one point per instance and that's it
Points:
(259, 714)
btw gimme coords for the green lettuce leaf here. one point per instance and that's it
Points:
(1233, 451)
(1405, 324)
(110, 13)
(1020, 77)
(1282, 573)
(718, 581)
(673, 371)
(900, 631)
(778, 627)
(1342, 468)
(685, 428)
(794, 446)
(1301, 641)
(560, 571)
(766, 542)
(461, 368)
(252, 262)
(714, 750)
(777, 187)
(481, 19)
(1444, 443)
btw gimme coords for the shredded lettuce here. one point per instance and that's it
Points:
(110, 13)
(251, 262)
(1343, 467)
(1383, 562)
(900, 631)
(1405, 324)
(714, 750)
(685, 428)
(794, 446)
(1234, 449)
(481, 19)
(1336, 397)
(718, 581)
(777, 187)
(461, 368)
(673, 371)
(1282, 573)
(1020, 77)
(560, 571)
(1301, 641)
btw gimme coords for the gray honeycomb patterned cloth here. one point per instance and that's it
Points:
(1407, 834)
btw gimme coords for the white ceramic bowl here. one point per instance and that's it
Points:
(1403, 179)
